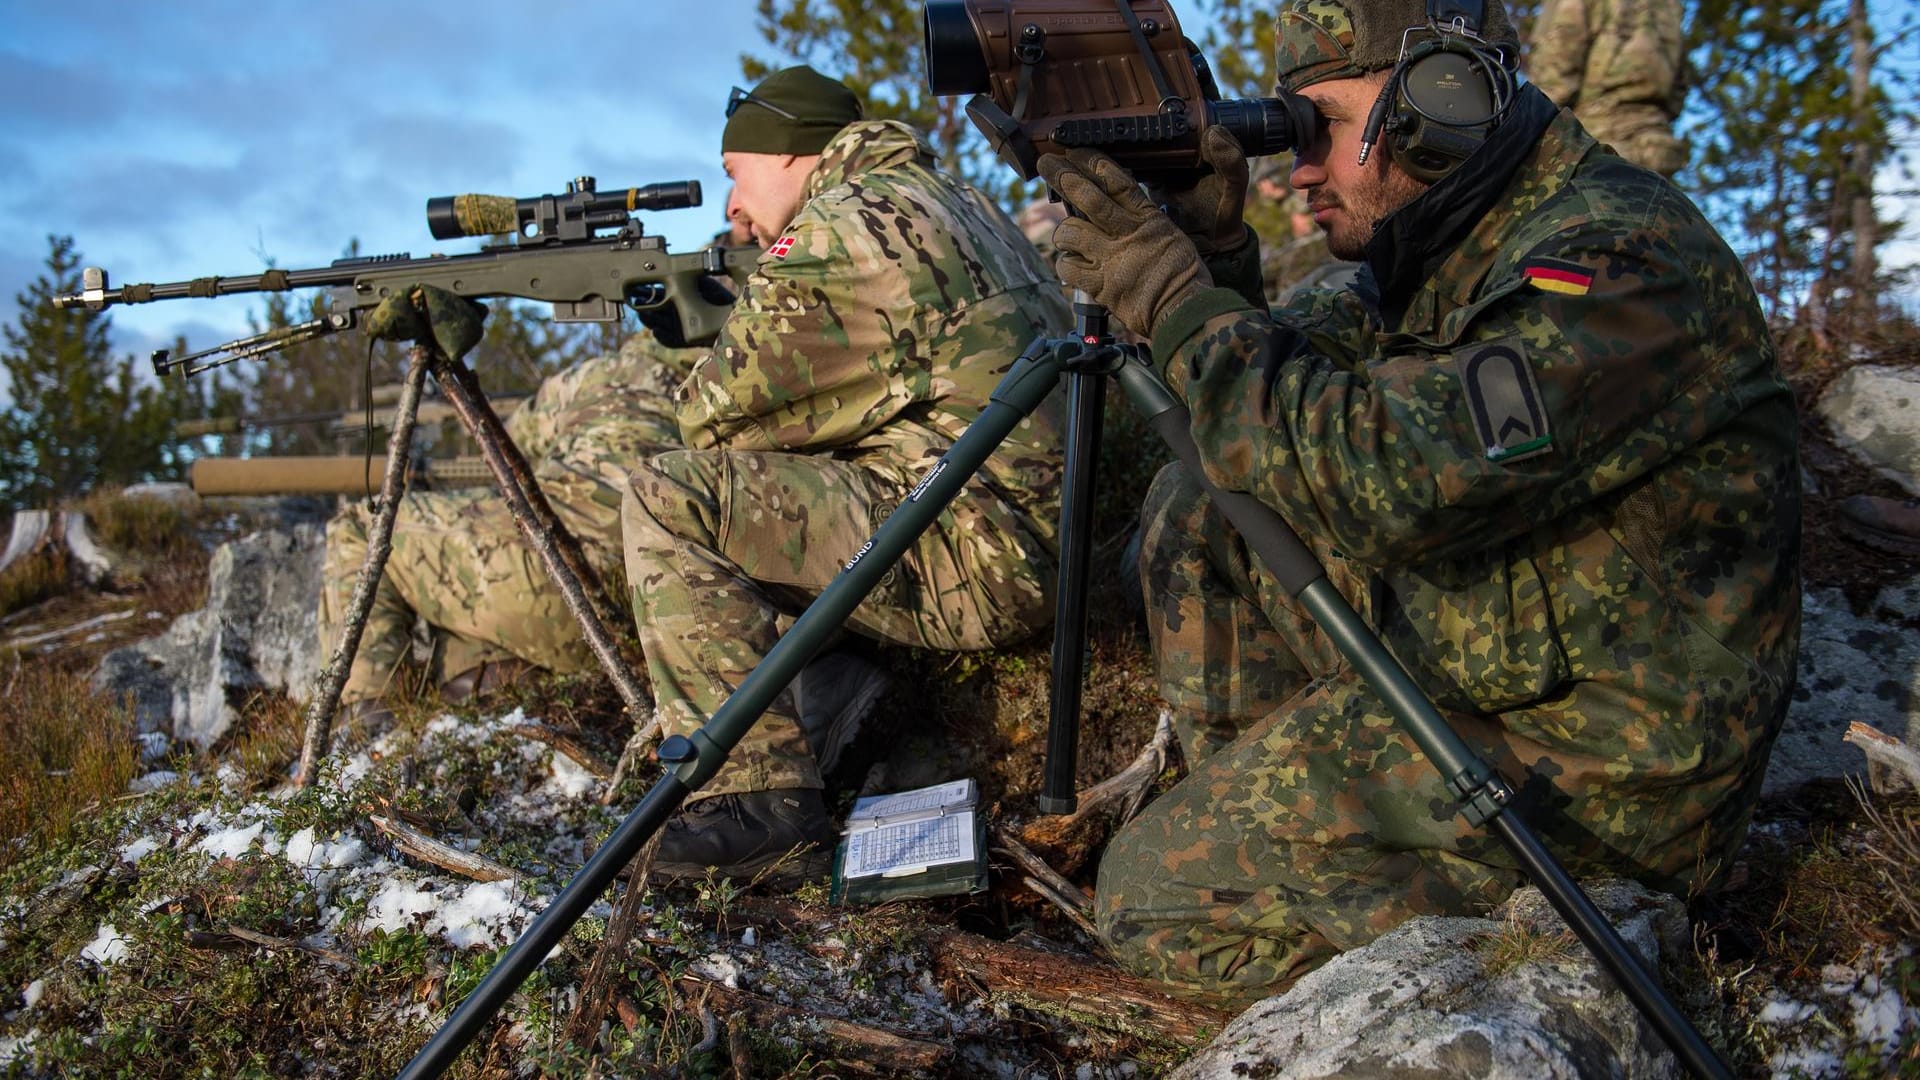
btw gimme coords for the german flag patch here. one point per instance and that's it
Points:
(1555, 276)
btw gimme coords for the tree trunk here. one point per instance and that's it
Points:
(1866, 232)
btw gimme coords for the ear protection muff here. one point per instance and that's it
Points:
(1447, 92)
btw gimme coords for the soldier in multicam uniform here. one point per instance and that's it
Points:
(1547, 454)
(889, 303)
(1620, 65)
(458, 560)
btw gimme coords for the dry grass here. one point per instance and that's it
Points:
(1516, 944)
(34, 578)
(63, 749)
(152, 527)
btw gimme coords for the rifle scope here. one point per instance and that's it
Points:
(577, 215)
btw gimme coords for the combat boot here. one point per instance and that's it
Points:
(835, 693)
(1891, 525)
(739, 834)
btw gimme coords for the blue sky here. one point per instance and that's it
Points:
(177, 140)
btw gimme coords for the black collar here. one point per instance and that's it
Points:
(1409, 245)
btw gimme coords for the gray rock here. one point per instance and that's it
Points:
(1871, 412)
(1435, 1000)
(258, 632)
(1862, 667)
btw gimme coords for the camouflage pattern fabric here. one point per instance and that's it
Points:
(458, 560)
(1605, 605)
(1620, 65)
(851, 362)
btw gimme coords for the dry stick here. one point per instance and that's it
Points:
(739, 1051)
(595, 986)
(545, 533)
(1046, 882)
(565, 745)
(858, 1047)
(1886, 751)
(326, 695)
(1071, 836)
(235, 937)
(428, 850)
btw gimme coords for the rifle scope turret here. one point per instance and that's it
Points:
(577, 215)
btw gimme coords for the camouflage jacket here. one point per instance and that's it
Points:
(879, 323)
(1617, 57)
(1552, 462)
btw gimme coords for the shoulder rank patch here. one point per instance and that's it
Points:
(781, 247)
(1556, 276)
(1504, 399)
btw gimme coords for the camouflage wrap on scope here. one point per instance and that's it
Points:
(867, 340)
(1555, 468)
(1620, 65)
(458, 560)
(486, 215)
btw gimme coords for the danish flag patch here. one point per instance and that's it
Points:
(781, 247)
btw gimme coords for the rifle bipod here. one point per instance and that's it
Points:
(1087, 358)
(559, 551)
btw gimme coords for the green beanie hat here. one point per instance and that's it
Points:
(793, 111)
(1316, 40)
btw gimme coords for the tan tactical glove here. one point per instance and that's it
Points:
(1124, 253)
(1211, 208)
(426, 313)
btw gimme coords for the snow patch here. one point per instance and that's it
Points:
(107, 948)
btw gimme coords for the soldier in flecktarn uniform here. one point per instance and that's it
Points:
(1545, 451)
(890, 301)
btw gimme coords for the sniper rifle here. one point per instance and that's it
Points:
(584, 252)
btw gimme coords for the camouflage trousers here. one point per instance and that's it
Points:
(721, 545)
(1641, 134)
(1309, 822)
(458, 559)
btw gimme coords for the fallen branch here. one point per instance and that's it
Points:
(1090, 994)
(428, 850)
(1046, 882)
(1087, 992)
(858, 1048)
(1068, 840)
(1888, 753)
(69, 631)
(563, 743)
(239, 937)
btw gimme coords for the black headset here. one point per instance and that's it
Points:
(1448, 91)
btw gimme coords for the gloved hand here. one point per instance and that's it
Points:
(1124, 253)
(425, 313)
(1210, 209)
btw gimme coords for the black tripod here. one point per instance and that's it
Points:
(1087, 358)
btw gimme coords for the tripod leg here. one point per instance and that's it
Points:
(549, 538)
(333, 679)
(1086, 404)
(693, 761)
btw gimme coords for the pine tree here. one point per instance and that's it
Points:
(79, 417)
